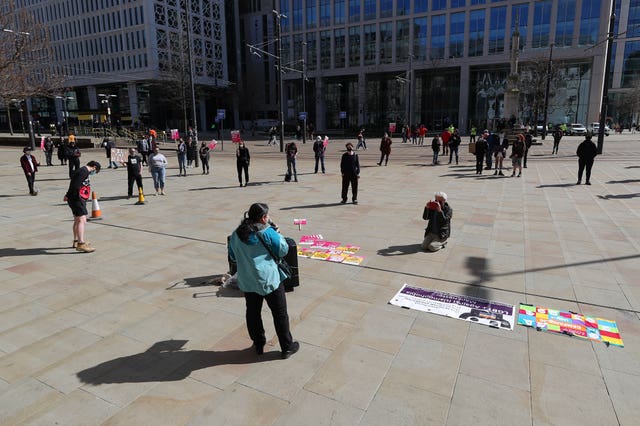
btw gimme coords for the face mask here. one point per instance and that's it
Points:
(92, 172)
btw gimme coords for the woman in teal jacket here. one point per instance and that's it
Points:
(259, 277)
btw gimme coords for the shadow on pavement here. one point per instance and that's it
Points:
(14, 252)
(312, 206)
(556, 185)
(197, 281)
(400, 250)
(625, 181)
(166, 361)
(619, 196)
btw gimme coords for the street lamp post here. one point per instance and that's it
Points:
(106, 100)
(546, 92)
(409, 83)
(194, 141)
(279, 17)
(605, 86)
(304, 93)
(65, 111)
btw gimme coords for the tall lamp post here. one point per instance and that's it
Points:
(304, 93)
(106, 100)
(409, 83)
(546, 92)
(194, 142)
(605, 86)
(279, 17)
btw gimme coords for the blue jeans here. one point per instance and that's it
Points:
(158, 174)
(435, 156)
(291, 163)
(182, 160)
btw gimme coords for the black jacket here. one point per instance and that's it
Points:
(349, 164)
(439, 222)
(587, 150)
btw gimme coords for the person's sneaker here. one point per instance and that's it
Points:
(578, 183)
(295, 346)
(587, 183)
(495, 173)
(355, 201)
(501, 174)
(84, 247)
(343, 202)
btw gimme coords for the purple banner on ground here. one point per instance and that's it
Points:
(467, 308)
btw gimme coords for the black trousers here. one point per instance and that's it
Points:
(205, 164)
(385, 157)
(242, 166)
(277, 302)
(346, 180)
(451, 151)
(133, 178)
(582, 164)
(74, 165)
(49, 157)
(479, 161)
(31, 181)
(524, 160)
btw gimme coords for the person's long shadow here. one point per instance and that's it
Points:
(624, 181)
(165, 362)
(400, 250)
(479, 268)
(556, 185)
(619, 197)
(312, 206)
(113, 198)
(14, 252)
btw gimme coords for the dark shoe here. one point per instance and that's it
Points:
(379, 164)
(495, 173)
(500, 173)
(259, 348)
(519, 174)
(587, 183)
(578, 183)
(355, 201)
(295, 346)
(240, 184)
(343, 202)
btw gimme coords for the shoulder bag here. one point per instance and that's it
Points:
(282, 264)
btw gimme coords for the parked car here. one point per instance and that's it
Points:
(576, 129)
(595, 128)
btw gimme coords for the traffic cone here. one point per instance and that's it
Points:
(140, 197)
(96, 213)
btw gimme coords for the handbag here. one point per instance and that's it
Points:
(282, 264)
(84, 192)
(472, 147)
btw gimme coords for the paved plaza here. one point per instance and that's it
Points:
(136, 333)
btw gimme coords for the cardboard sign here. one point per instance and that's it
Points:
(175, 135)
(392, 127)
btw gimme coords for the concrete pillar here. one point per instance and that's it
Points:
(463, 101)
(362, 98)
(132, 91)
(321, 106)
(93, 97)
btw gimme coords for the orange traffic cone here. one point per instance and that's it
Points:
(140, 197)
(96, 213)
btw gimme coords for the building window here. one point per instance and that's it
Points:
(420, 6)
(476, 32)
(370, 44)
(438, 4)
(354, 46)
(519, 19)
(312, 19)
(311, 52)
(386, 8)
(370, 9)
(438, 27)
(297, 15)
(476, 2)
(325, 13)
(354, 10)
(402, 40)
(456, 35)
(497, 30)
(420, 38)
(564, 22)
(386, 36)
(285, 50)
(403, 7)
(458, 3)
(338, 12)
(589, 22)
(284, 22)
(631, 64)
(541, 24)
(633, 23)
(339, 44)
(325, 50)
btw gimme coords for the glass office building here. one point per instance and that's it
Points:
(371, 62)
(135, 52)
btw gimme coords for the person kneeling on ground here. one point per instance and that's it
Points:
(438, 230)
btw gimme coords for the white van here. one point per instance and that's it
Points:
(595, 128)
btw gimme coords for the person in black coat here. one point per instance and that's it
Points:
(586, 153)
(481, 149)
(242, 162)
(350, 169)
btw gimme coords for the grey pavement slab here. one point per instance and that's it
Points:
(136, 332)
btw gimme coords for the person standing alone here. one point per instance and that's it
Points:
(385, 149)
(350, 169)
(586, 152)
(76, 197)
(29, 167)
(243, 158)
(134, 172)
(319, 149)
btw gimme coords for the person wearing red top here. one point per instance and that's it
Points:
(445, 141)
(30, 167)
(423, 132)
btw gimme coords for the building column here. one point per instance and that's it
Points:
(93, 97)
(321, 105)
(202, 119)
(463, 101)
(132, 90)
(362, 98)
